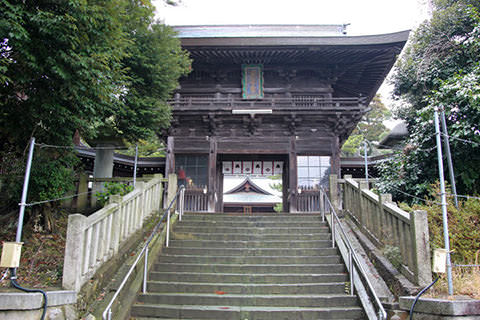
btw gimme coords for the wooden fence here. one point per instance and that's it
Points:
(196, 199)
(308, 200)
(388, 225)
(93, 240)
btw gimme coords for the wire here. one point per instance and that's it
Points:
(460, 139)
(5, 273)
(462, 196)
(53, 200)
(408, 194)
(418, 296)
(13, 280)
(43, 145)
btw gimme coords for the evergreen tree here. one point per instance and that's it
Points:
(440, 69)
(86, 65)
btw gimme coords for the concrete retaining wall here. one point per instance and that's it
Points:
(26, 306)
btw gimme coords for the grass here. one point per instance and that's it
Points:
(466, 282)
(41, 263)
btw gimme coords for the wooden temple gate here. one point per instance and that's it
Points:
(276, 96)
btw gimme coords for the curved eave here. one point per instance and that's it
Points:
(380, 39)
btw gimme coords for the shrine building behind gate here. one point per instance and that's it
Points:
(268, 100)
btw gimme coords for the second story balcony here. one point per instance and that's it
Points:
(302, 103)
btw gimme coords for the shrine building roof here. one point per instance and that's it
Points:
(356, 65)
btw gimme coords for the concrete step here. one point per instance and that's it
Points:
(255, 267)
(254, 224)
(257, 300)
(251, 259)
(253, 230)
(284, 236)
(251, 244)
(266, 252)
(245, 312)
(266, 278)
(252, 217)
(249, 288)
(251, 268)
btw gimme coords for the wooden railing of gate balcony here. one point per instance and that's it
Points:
(387, 225)
(279, 103)
(196, 199)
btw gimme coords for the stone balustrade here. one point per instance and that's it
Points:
(93, 240)
(389, 226)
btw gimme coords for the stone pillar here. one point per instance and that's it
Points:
(72, 268)
(423, 272)
(172, 188)
(333, 185)
(82, 199)
(102, 168)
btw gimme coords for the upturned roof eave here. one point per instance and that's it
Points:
(400, 37)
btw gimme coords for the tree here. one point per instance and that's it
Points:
(370, 128)
(439, 69)
(88, 65)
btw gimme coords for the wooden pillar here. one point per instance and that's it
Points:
(292, 175)
(212, 175)
(335, 160)
(219, 182)
(170, 158)
(285, 186)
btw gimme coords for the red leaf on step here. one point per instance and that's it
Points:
(219, 292)
(224, 308)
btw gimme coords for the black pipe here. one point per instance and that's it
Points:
(13, 280)
(419, 295)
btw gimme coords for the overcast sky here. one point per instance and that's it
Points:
(364, 16)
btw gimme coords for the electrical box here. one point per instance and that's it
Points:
(439, 260)
(11, 252)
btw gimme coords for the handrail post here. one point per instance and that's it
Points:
(145, 270)
(333, 227)
(322, 204)
(167, 238)
(350, 262)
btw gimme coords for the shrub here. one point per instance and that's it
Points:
(462, 226)
(112, 188)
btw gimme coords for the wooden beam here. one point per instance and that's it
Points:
(292, 175)
(212, 175)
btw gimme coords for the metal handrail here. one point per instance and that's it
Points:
(353, 260)
(107, 313)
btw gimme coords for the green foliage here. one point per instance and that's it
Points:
(112, 188)
(93, 66)
(440, 68)
(370, 128)
(462, 226)
(151, 147)
(278, 208)
(353, 145)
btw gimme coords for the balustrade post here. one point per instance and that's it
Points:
(322, 203)
(172, 188)
(334, 192)
(363, 214)
(421, 247)
(382, 199)
(74, 251)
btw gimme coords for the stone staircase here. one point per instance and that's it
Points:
(269, 267)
